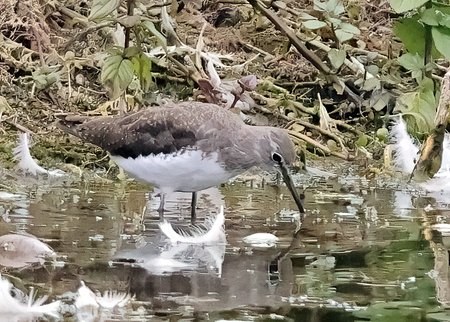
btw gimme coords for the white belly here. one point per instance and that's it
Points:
(188, 171)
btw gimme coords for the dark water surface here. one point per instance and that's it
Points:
(367, 250)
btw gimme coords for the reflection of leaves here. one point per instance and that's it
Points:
(118, 72)
(419, 107)
(391, 311)
(438, 316)
(102, 8)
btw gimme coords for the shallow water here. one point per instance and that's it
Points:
(366, 250)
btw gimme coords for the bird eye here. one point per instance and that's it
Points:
(277, 157)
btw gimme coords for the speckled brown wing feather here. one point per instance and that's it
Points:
(152, 130)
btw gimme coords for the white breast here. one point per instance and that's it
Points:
(189, 171)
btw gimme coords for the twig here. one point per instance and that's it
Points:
(186, 70)
(168, 77)
(258, 50)
(297, 105)
(73, 14)
(82, 35)
(130, 12)
(308, 54)
(19, 127)
(307, 125)
(348, 127)
(318, 145)
(302, 108)
(244, 2)
(369, 52)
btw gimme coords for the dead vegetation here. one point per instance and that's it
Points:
(330, 87)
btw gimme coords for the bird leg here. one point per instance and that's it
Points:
(162, 197)
(193, 206)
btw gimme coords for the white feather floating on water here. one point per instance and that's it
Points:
(160, 265)
(109, 300)
(26, 307)
(445, 163)
(18, 250)
(112, 298)
(407, 154)
(406, 151)
(85, 298)
(265, 240)
(26, 162)
(214, 234)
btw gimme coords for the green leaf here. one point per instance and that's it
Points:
(305, 16)
(382, 134)
(362, 140)
(405, 5)
(371, 83)
(129, 21)
(342, 35)
(334, 7)
(373, 69)
(349, 28)
(314, 24)
(118, 73)
(412, 33)
(411, 62)
(441, 39)
(339, 86)
(379, 100)
(445, 21)
(345, 31)
(109, 67)
(150, 26)
(131, 52)
(320, 6)
(334, 21)
(336, 57)
(142, 66)
(102, 8)
(419, 106)
(431, 17)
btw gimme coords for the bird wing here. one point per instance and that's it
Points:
(149, 131)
